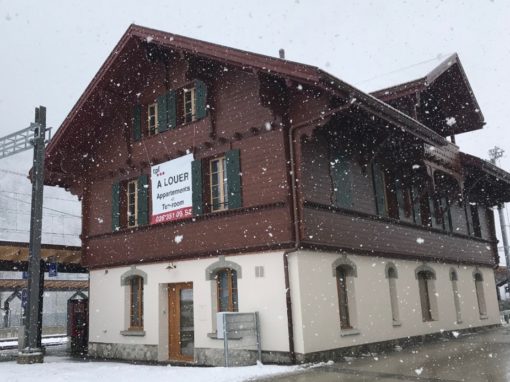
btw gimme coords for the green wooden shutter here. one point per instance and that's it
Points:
(162, 113)
(342, 180)
(143, 200)
(435, 215)
(469, 218)
(379, 189)
(399, 190)
(200, 99)
(196, 190)
(415, 193)
(171, 109)
(115, 207)
(233, 179)
(137, 123)
(446, 214)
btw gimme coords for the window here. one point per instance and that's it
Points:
(480, 296)
(391, 274)
(130, 203)
(152, 119)
(189, 104)
(226, 286)
(456, 296)
(473, 220)
(344, 272)
(341, 175)
(405, 201)
(385, 191)
(136, 303)
(172, 108)
(218, 186)
(446, 215)
(343, 298)
(427, 294)
(133, 282)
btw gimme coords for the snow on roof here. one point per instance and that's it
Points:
(407, 73)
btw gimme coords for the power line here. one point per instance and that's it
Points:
(46, 197)
(46, 208)
(25, 213)
(437, 58)
(46, 233)
(14, 173)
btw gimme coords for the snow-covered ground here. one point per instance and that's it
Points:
(56, 369)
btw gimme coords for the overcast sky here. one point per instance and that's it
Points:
(50, 50)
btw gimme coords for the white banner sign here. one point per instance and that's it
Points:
(171, 190)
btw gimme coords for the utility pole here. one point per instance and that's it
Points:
(34, 135)
(494, 155)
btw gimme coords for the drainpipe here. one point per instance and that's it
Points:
(296, 222)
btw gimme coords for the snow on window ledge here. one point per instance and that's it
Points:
(397, 323)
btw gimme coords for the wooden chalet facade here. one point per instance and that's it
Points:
(343, 218)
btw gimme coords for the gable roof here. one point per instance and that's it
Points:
(438, 84)
(305, 74)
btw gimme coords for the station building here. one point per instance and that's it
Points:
(219, 180)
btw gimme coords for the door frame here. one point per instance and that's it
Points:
(174, 314)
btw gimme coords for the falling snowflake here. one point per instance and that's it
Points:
(420, 240)
(178, 238)
(455, 334)
(450, 121)
(418, 371)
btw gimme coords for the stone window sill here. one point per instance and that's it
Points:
(483, 317)
(133, 333)
(349, 332)
(397, 323)
(214, 336)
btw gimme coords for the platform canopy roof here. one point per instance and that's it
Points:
(14, 256)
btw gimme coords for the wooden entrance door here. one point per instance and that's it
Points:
(180, 322)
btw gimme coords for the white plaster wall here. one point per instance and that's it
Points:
(265, 295)
(315, 301)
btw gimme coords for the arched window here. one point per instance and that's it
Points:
(133, 280)
(343, 298)
(480, 296)
(345, 271)
(391, 275)
(456, 296)
(136, 303)
(426, 286)
(226, 286)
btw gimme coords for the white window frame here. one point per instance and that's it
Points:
(133, 182)
(192, 115)
(154, 108)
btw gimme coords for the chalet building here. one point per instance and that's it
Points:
(214, 179)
